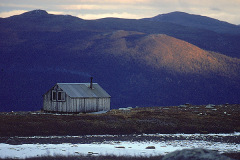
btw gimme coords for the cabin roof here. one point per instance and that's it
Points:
(83, 90)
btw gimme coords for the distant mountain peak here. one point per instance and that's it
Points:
(176, 12)
(37, 12)
(179, 16)
(196, 21)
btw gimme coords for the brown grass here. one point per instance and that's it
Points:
(190, 119)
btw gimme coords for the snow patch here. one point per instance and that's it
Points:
(112, 148)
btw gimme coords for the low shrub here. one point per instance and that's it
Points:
(83, 157)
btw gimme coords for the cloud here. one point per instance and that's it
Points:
(56, 12)
(11, 5)
(80, 7)
(10, 13)
(101, 7)
(116, 15)
(235, 19)
(215, 9)
(107, 1)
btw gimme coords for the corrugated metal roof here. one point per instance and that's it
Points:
(83, 90)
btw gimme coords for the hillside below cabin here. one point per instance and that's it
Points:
(76, 98)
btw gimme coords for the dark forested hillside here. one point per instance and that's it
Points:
(138, 62)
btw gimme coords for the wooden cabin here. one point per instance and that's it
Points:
(76, 98)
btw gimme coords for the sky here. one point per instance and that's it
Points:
(224, 10)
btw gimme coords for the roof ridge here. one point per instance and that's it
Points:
(83, 90)
(77, 83)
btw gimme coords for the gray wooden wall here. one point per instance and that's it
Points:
(75, 104)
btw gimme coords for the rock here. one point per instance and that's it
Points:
(195, 154)
(150, 147)
(210, 106)
(119, 147)
(182, 106)
(13, 141)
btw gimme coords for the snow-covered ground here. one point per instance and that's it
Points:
(129, 148)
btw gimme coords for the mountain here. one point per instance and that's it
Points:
(197, 21)
(228, 44)
(132, 60)
(162, 51)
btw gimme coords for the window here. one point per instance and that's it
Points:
(58, 96)
(54, 95)
(61, 96)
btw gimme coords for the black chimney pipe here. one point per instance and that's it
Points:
(91, 83)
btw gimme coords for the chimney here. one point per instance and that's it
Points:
(91, 87)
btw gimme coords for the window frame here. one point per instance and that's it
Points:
(62, 96)
(58, 96)
(54, 97)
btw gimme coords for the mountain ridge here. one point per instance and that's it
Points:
(198, 21)
(206, 39)
(136, 63)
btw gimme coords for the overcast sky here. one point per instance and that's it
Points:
(225, 10)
